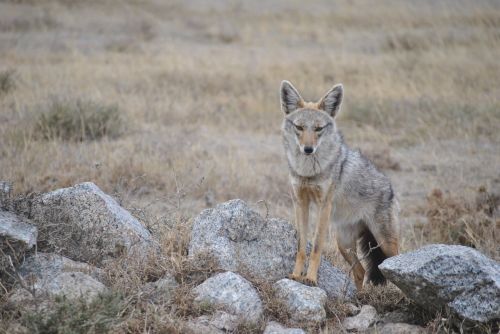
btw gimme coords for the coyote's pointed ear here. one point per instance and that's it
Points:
(290, 97)
(332, 100)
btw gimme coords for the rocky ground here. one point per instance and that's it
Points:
(234, 276)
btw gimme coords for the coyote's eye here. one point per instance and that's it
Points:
(298, 127)
(319, 129)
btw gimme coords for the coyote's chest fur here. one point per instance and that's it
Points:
(309, 167)
(311, 190)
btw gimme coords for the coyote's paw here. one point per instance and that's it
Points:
(295, 277)
(309, 281)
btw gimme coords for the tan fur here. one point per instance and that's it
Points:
(308, 138)
(324, 171)
(304, 195)
(351, 258)
(310, 105)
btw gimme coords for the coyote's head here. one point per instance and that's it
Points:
(309, 124)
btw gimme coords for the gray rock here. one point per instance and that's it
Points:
(49, 275)
(398, 316)
(367, 317)
(397, 328)
(162, 290)
(219, 322)
(232, 293)
(15, 229)
(16, 237)
(458, 277)
(276, 328)
(72, 285)
(224, 321)
(45, 266)
(85, 224)
(198, 326)
(303, 303)
(238, 239)
(202, 325)
(335, 282)
(5, 191)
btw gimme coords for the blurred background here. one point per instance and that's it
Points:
(173, 106)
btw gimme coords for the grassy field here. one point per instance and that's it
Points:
(173, 106)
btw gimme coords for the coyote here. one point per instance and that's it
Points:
(324, 171)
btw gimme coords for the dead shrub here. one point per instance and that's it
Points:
(384, 298)
(189, 274)
(42, 21)
(409, 42)
(272, 306)
(78, 120)
(7, 81)
(12, 254)
(389, 298)
(77, 317)
(130, 273)
(456, 220)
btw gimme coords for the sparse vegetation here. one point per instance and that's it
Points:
(78, 120)
(452, 219)
(7, 81)
(189, 94)
(77, 317)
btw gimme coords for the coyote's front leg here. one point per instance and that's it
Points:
(319, 238)
(301, 204)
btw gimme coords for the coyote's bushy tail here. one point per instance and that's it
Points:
(373, 255)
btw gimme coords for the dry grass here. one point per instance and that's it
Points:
(383, 160)
(196, 84)
(77, 120)
(7, 81)
(456, 220)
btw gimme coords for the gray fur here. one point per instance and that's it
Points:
(290, 97)
(363, 196)
(363, 191)
(332, 100)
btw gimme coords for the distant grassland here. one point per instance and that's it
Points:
(194, 87)
(173, 106)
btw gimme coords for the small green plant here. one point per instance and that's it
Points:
(7, 81)
(78, 120)
(77, 317)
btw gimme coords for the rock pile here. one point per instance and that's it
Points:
(238, 239)
(83, 225)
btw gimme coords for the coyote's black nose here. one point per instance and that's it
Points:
(308, 150)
